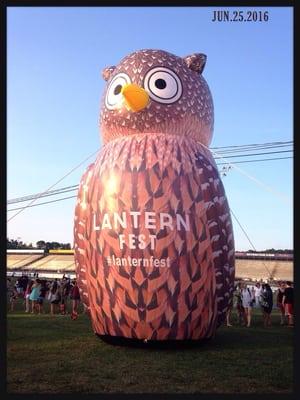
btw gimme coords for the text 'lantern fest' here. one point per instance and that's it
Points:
(154, 248)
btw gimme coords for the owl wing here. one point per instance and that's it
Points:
(81, 246)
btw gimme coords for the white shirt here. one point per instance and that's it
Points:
(257, 291)
(246, 297)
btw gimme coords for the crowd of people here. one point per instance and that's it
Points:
(35, 292)
(261, 296)
(57, 292)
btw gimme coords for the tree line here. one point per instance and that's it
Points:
(40, 244)
(273, 251)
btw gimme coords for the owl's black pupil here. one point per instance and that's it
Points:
(118, 89)
(160, 83)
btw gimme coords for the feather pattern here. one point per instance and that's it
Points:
(188, 296)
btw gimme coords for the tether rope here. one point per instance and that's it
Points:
(270, 275)
(52, 186)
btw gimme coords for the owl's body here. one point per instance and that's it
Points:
(153, 237)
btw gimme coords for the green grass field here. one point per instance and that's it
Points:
(53, 354)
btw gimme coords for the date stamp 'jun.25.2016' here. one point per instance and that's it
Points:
(240, 16)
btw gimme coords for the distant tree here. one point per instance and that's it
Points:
(58, 246)
(66, 246)
(48, 246)
(273, 251)
(270, 250)
(289, 251)
(41, 244)
(15, 244)
(279, 251)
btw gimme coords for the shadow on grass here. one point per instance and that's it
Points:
(153, 344)
(46, 327)
(232, 338)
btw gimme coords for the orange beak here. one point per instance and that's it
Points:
(135, 97)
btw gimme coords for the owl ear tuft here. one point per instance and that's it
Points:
(196, 62)
(106, 72)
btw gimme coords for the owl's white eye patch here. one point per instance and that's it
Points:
(163, 85)
(113, 95)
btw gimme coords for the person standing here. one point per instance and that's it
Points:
(288, 303)
(279, 297)
(239, 304)
(12, 293)
(54, 297)
(253, 295)
(247, 301)
(42, 295)
(64, 289)
(257, 293)
(267, 304)
(27, 295)
(228, 313)
(24, 282)
(75, 297)
(19, 287)
(34, 295)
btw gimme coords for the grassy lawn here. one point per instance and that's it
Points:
(53, 354)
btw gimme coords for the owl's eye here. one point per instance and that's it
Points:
(163, 85)
(113, 94)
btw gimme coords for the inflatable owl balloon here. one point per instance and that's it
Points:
(153, 237)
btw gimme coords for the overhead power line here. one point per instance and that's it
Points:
(39, 195)
(255, 154)
(76, 186)
(235, 149)
(278, 194)
(290, 142)
(239, 150)
(227, 150)
(263, 159)
(50, 187)
(40, 204)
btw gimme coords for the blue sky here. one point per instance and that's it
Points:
(54, 60)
